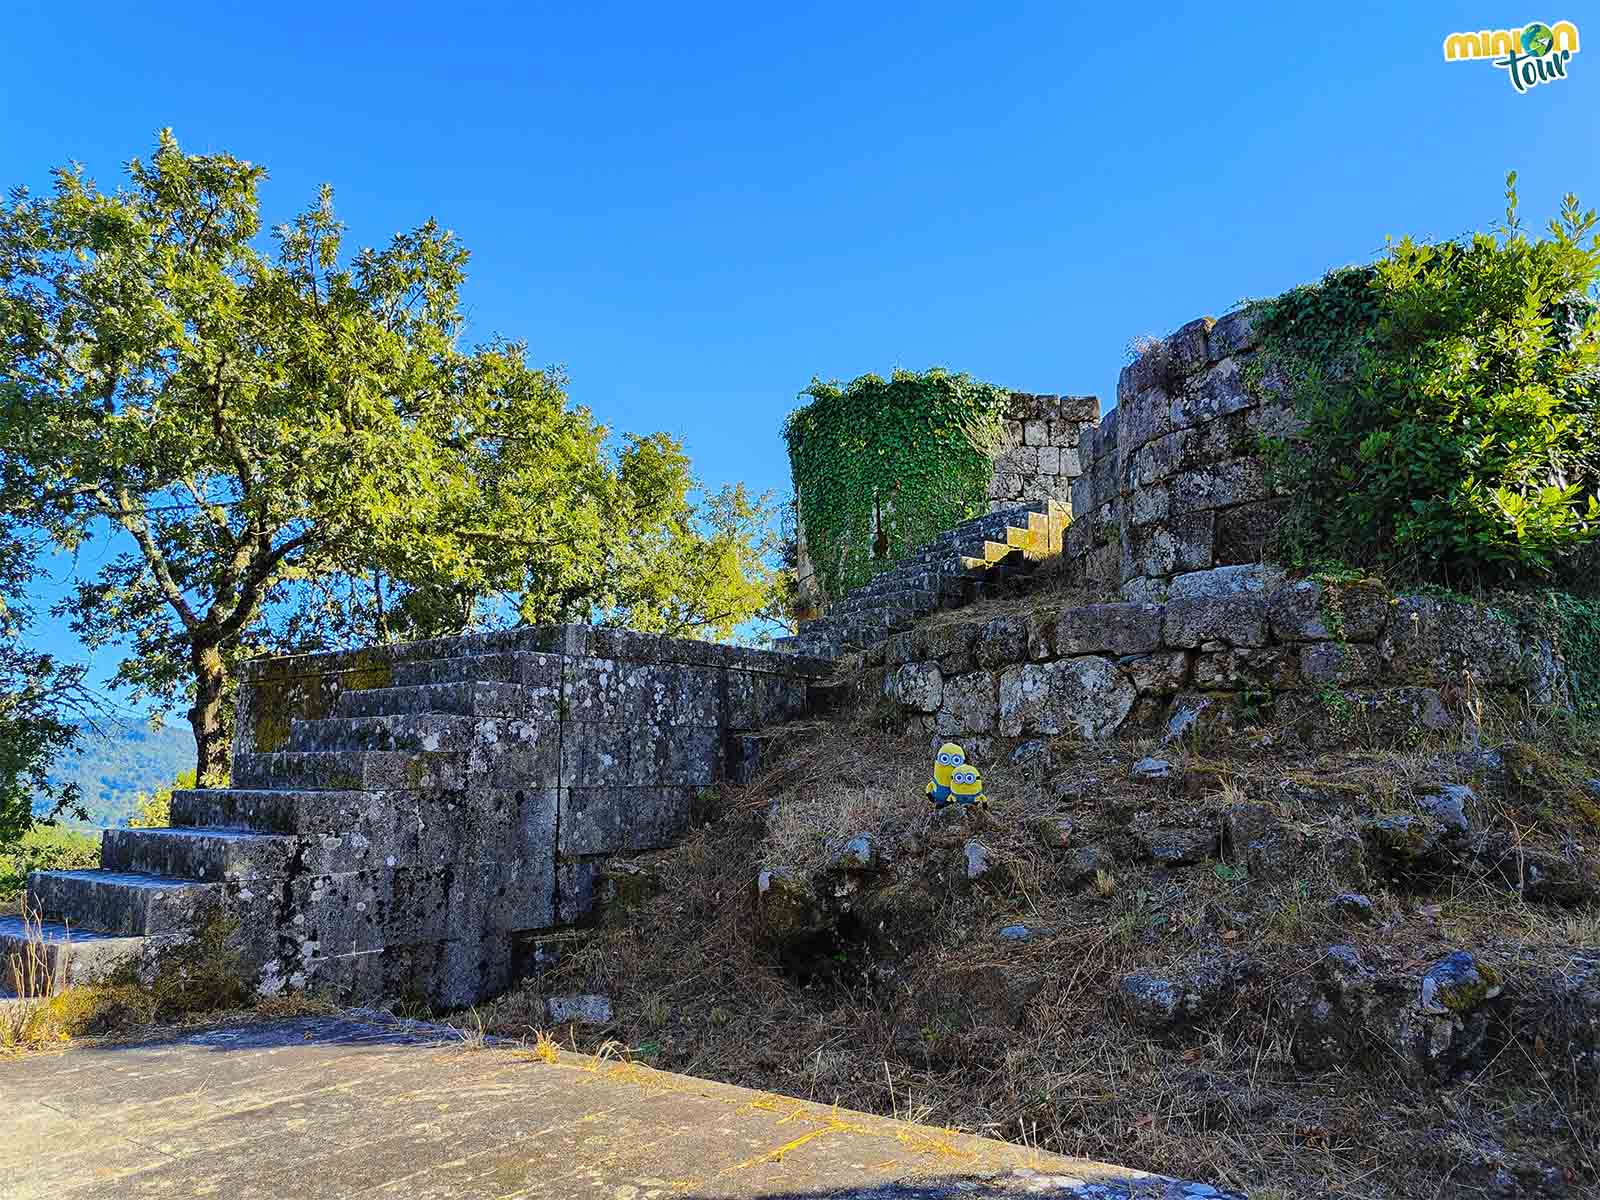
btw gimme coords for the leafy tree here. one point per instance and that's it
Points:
(298, 453)
(41, 705)
(1452, 405)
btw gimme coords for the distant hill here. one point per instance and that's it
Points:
(122, 760)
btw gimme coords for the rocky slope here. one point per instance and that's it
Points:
(1294, 968)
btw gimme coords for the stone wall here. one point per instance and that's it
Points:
(1226, 643)
(1171, 481)
(426, 808)
(1040, 457)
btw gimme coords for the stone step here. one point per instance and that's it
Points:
(269, 810)
(816, 647)
(516, 667)
(909, 599)
(396, 731)
(979, 558)
(39, 958)
(1014, 561)
(351, 770)
(472, 698)
(1029, 541)
(121, 902)
(207, 855)
(920, 579)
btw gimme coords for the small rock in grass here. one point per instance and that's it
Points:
(1030, 751)
(860, 853)
(979, 860)
(1178, 847)
(1447, 804)
(1085, 863)
(1352, 904)
(578, 1010)
(1155, 1004)
(1457, 983)
(1054, 833)
(1405, 838)
(1152, 768)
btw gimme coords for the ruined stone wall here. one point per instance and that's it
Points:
(1172, 482)
(1227, 643)
(433, 805)
(1039, 457)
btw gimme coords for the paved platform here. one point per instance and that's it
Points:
(335, 1107)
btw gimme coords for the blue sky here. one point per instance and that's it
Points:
(697, 208)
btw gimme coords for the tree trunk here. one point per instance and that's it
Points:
(205, 718)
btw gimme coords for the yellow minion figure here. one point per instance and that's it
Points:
(966, 787)
(945, 763)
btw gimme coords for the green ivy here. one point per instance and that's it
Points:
(918, 446)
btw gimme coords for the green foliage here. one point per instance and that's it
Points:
(1450, 398)
(1578, 643)
(114, 765)
(298, 454)
(45, 848)
(914, 449)
(40, 703)
(153, 810)
(1572, 625)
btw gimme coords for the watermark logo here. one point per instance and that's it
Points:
(1534, 54)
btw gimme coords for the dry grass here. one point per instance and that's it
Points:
(23, 1021)
(846, 785)
(955, 1026)
(182, 982)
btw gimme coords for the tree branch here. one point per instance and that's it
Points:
(125, 515)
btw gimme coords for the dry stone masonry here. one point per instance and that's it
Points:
(408, 820)
(1172, 480)
(1224, 640)
(1040, 458)
(1169, 521)
(405, 821)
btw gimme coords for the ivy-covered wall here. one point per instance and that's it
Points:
(882, 466)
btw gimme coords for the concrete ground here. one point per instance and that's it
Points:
(356, 1106)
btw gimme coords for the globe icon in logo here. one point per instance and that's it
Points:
(1537, 40)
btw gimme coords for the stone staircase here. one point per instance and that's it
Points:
(320, 805)
(442, 803)
(979, 558)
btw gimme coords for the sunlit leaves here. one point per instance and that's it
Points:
(1463, 445)
(299, 450)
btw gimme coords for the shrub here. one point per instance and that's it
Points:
(1449, 394)
(45, 848)
(153, 810)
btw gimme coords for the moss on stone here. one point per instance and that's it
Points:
(1461, 998)
(371, 669)
(271, 712)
